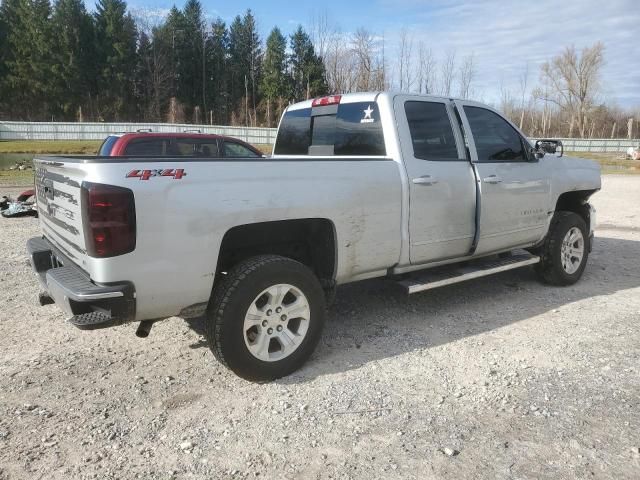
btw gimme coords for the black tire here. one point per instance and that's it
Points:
(550, 269)
(230, 302)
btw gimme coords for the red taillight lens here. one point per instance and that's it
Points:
(330, 100)
(109, 217)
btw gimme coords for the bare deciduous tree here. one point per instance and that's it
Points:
(363, 50)
(573, 81)
(405, 72)
(467, 74)
(426, 69)
(447, 71)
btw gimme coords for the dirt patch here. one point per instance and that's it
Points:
(501, 378)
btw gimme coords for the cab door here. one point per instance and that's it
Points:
(514, 185)
(442, 193)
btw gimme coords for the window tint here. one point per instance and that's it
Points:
(431, 133)
(107, 145)
(495, 139)
(324, 129)
(232, 149)
(358, 130)
(145, 147)
(190, 147)
(294, 134)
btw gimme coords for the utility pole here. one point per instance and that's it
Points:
(204, 80)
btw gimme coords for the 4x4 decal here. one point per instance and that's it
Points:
(175, 173)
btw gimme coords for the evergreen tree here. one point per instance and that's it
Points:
(116, 39)
(307, 68)
(217, 80)
(27, 58)
(245, 55)
(275, 84)
(191, 72)
(74, 66)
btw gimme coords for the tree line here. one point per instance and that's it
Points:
(60, 62)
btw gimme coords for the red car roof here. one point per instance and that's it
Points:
(123, 140)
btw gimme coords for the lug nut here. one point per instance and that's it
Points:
(268, 312)
(283, 318)
(278, 310)
(279, 328)
(264, 323)
(270, 331)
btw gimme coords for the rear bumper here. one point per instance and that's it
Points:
(88, 305)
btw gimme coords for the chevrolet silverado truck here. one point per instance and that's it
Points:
(424, 190)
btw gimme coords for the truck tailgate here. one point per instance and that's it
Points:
(58, 197)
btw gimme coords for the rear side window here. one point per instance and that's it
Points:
(431, 132)
(145, 147)
(189, 147)
(351, 129)
(107, 145)
(495, 139)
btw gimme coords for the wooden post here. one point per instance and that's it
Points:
(630, 128)
(613, 130)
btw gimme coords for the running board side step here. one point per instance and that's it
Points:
(450, 274)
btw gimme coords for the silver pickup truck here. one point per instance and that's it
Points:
(424, 190)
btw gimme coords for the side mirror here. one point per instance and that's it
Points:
(537, 153)
(550, 146)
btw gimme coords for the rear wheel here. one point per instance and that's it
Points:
(265, 317)
(564, 253)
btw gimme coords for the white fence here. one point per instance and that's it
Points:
(98, 131)
(597, 144)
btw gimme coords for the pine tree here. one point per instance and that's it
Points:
(74, 67)
(307, 68)
(116, 39)
(275, 84)
(217, 80)
(245, 58)
(192, 70)
(27, 58)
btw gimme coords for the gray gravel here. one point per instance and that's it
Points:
(500, 378)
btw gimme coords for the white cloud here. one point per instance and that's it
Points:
(505, 36)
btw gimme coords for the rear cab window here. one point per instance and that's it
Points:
(107, 146)
(344, 129)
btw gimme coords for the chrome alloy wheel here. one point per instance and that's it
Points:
(572, 250)
(276, 322)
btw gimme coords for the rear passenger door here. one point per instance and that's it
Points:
(515, 187)
(442, 193)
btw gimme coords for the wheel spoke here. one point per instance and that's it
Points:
(254, 315)
(260, 348)
(277, 294)
(298, 309)
(287, 339)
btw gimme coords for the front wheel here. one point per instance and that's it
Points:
(564, 253)
(265, 317)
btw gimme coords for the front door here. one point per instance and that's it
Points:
(442, 194)
(515, 186)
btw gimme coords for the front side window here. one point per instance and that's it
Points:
(495, 139)
(237, 150)
(431, 132)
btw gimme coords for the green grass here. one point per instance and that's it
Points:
(611, 162)
(51, 147)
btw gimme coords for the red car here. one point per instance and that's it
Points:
(144, 144)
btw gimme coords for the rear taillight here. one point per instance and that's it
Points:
(323, 101)
(109, 217)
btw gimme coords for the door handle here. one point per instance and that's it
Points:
(492, 179)
(426, 180)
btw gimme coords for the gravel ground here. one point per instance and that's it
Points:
(500, 378)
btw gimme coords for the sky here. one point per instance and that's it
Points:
(503, 36)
